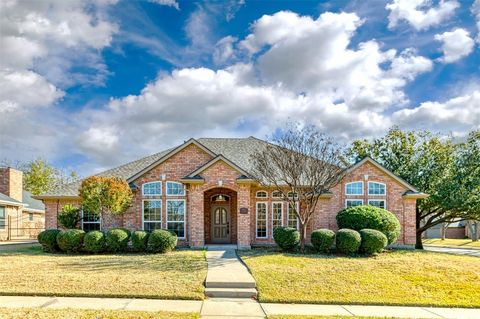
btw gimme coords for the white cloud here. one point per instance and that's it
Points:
(455, 44)
(224, 50)
(421, 14)
(169, 3)
(476, 13)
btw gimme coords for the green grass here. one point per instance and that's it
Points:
(35, 313)
(176, 275)
(453, 243)
(390, 278)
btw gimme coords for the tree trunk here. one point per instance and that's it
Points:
(303, 237)
(473, 226)
(419, 231)
(444, 228)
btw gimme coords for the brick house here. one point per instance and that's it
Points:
(201, 189)
(21, 216)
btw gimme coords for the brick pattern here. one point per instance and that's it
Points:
(11, 183)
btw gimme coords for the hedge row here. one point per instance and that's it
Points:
(115, 240)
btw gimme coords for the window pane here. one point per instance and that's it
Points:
(152, 210)
(377, 203)
(174, 188)
(261, 220)
(91, 226)
(176, 217)
(292, 217)
(154, 188)
(353, 203)
(2, 217)
(355, 188)
(277, 212)
(178, 228)
(277, 194)
(262, 194)
(376, 188)
(149, 226)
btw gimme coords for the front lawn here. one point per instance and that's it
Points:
(453, 243)
(36, 313)
(176, 275)
(322, 317)
(391, 278)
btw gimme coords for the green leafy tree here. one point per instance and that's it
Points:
(39, 176)
(105, 195)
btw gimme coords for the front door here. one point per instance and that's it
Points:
(221, 225)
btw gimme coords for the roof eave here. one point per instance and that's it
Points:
(43, 197)
(416, 195)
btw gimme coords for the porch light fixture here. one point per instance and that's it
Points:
(220, 183)
(366, 177)
(220, 198)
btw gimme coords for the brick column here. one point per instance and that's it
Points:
(196, 224)
(243, 220)
(409, 227)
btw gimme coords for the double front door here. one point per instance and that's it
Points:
(221, 224)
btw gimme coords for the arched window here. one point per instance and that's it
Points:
(152, 188)
(175, 189)
(376, 188)
(261, 194)
(354, 188)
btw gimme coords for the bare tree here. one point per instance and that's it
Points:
(301, 164)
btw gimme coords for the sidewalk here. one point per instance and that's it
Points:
(455, 251)
(244, 308)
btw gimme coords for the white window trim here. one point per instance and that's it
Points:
(277, 197)
(143, 212)
(184, 215)
(166, 189)
(266, 220)
(281, 218)
(260, 191)
(297, 204)
(363, 186)
(295, 196)
(379, 200)
(143, 188)
(352, 200)
(4, 217)
(97, 222)
(384, 187)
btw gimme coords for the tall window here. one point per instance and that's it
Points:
(377, 203)
(175, 189)
(152, 188)
(90, 221)
(375, 188)
(176, 216)
(152, 214)
(292, 217)
(262, 220)
(2, 216)
(261, 194)
(353, 202)
(355, 188)
(277, 214)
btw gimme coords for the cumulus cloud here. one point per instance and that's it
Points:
(168, 3)
(420, 14)
(456, 44)
(476, 13)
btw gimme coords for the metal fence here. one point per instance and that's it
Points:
(23, 228)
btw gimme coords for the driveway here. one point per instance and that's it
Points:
(456, 251)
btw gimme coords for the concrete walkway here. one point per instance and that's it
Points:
(235, 308)
(455, 251)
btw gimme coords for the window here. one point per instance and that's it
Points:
(175, 189)
(2, 216)
(152, 214)
(90, 221)
(152, 188)
(261, 194)
(377, 203)
(262, 220)
(292, 195)
(353, 202)
(375, 188)
(30, 217)
(176, 216)
(355, 188)
(277, 215)
(277, 194)
(292, 218)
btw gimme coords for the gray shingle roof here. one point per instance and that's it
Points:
(31, 202)
(8, 199)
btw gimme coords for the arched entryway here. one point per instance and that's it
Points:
(220, 209)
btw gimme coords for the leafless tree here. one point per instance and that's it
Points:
(301, 164)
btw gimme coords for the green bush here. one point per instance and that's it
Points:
(140, 240)
(161, 241)
(48, 240)
(322, 239)
(286, 238)
(373, 241)
(370, 217)
(70, 240)
(94, 242)
(348, 241)
(69, 217)
(117, 239)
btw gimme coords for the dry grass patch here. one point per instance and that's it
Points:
(35, 313)
(391, 278)
(454, 243)
(176, 275)
(324, 317)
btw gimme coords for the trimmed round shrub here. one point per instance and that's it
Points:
(94, 242)
(48, 240)
(161, 241)
(348, 241)
(286, 238)
(140, 240)
(117, 239)
(70, 240)
(373, 241)
(322, 239)
(370, 217)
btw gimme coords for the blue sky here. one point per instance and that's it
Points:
(89, 85)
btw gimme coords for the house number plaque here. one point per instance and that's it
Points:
(243, 210)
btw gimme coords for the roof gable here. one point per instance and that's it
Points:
(217, 159)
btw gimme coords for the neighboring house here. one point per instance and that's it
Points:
(455, 230)
(202, 190)
(21, 216)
